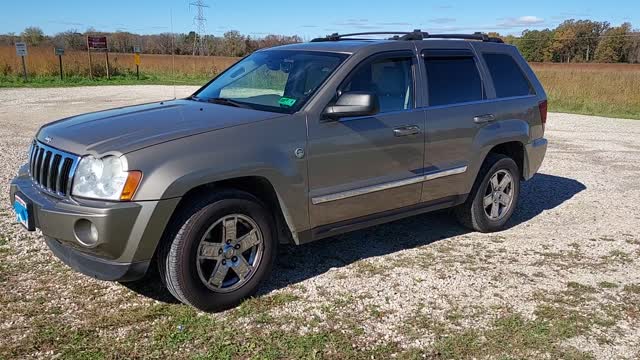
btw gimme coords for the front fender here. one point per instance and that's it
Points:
(262, 149)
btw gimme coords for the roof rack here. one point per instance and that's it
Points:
(409, 36)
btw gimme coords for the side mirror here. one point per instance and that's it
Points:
(355, 103)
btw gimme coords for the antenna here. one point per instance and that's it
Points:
(200, 22)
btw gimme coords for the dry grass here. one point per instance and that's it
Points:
(41, 61)
(593, 89)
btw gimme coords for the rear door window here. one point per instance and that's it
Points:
(452, 77)
(508, 78)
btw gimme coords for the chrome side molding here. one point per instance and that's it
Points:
(388, 185)
(443, 173)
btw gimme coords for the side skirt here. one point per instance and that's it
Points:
(362, 222)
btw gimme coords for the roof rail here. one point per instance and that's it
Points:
(475, 36)
(337, 37)
(412, 35)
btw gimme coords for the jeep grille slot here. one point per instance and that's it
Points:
(51, 169)
(65, 175)
(54, 172)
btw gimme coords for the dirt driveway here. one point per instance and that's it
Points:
(562, 282)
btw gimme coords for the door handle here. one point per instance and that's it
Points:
(481, 119)
(406, 130)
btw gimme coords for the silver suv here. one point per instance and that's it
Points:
(290, 145)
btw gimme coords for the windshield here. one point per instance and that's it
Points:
(272, 80)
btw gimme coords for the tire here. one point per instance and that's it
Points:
(473, 214)
(151, 285)
(194, 250)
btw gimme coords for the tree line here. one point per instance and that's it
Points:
(579, 41)
(232, 43)
(571, 41)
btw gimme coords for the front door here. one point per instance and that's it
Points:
(365, 165)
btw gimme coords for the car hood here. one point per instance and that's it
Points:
(126, 129)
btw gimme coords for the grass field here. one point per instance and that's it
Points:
(594, 89)
(43, 68)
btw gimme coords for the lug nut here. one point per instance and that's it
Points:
(224, 262)
(237, 246)
(234, 259)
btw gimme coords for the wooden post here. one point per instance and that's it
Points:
(90, 65)
(24, 68)
(136, 59)
(60, 60)
(106, 54)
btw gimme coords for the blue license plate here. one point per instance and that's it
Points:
(21, 208)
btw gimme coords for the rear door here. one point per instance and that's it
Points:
(516, 97)
(456, 109)
(364, 165)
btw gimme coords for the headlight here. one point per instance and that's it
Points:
(104, 179)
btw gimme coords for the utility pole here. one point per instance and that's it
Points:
(200, 22)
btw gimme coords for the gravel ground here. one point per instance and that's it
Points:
(562, 281)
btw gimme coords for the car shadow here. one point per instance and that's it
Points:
(543, 192)
(151, 286)
(298, 263)
(295, 264)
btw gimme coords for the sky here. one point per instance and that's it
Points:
(309, 18)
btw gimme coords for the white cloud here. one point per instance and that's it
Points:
(361, 24)
(394, 24)
(442, 20)
(529, 20)
(521, 21)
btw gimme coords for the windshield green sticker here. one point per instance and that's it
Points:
(288, 102)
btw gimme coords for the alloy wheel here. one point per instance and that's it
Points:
(229, 253)
(498, 197)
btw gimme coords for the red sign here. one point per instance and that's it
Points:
(97, 42)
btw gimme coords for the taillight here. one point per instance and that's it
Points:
(542, 106)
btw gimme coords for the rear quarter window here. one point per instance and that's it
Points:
(508, 78)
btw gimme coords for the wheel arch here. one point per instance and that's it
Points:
(513, 149)
(507, 137)
(262, 189)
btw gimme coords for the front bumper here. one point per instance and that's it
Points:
(535, 152)
(97, 267)
(128, 232)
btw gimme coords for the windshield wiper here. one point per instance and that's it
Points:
(226, 101)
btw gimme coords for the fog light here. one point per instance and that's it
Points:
(86, 232)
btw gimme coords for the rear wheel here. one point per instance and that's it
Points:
(220, 249)
(493, 197)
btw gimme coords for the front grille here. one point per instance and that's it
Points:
(51, 169)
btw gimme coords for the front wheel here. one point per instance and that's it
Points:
(493, 197)
(218, 250)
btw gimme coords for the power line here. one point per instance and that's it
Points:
(200, 23)
(550, 38)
